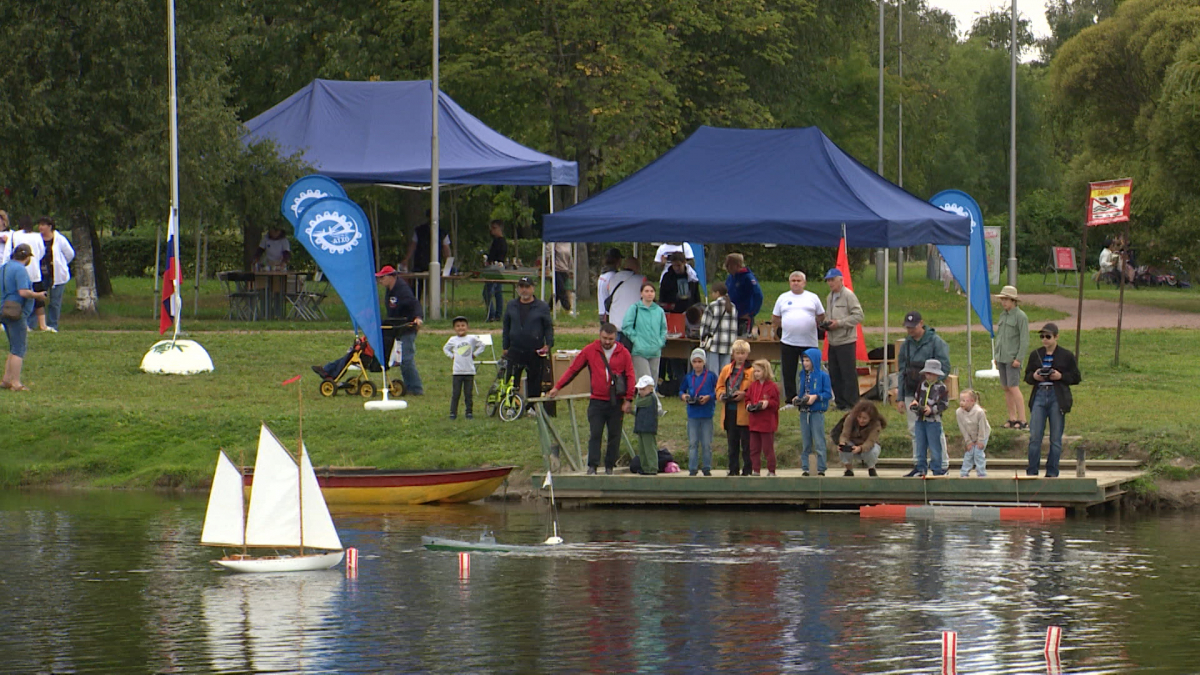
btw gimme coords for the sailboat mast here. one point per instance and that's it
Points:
(242, 496)
(300, 461)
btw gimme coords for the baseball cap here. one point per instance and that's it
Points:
(387, 271)
(458, 318)
(912, 319)
(524, 281)
(835, 272)
(1051, 328)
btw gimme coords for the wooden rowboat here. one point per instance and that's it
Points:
(368, 485)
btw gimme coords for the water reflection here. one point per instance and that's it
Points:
(117, 584)
(273, 622)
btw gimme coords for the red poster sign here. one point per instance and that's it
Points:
(1108, 201)
(1064, 258)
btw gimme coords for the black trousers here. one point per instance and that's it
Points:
(561, 292)
(789, 359)
(465, 385)
(843, 375)
(738, 439)
(604, 415)
(533, 365)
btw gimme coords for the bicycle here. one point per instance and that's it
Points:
(504, 396)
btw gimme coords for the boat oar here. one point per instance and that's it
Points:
(549, 482)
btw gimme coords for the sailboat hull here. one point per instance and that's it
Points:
(298, 563)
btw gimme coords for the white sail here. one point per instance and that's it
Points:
(274, 518)
(319, 531)
(223, 522)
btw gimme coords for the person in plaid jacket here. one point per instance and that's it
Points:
(718, 328)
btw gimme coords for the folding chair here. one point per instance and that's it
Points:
(310, 297)
(243, 302)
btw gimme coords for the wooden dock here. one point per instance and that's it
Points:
(1105, 481)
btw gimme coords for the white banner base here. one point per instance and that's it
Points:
(177, 357)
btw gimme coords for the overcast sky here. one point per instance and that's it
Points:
(965, 11)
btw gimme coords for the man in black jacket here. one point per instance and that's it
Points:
(527, 338)
(1052, 370)
(497, 256)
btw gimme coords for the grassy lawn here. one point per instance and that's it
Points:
(1163, 297)
(94, 418)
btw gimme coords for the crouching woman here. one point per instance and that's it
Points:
(860, 437)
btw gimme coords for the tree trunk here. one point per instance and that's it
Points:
(85, 271)
(252, 234)
(103, 283)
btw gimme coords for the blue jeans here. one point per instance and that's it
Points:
(54, 305)
(927, 436)
(493, 299)
(700, 435)
(17, 333)
(975, 458)
(1044, 406)
(408, 363)
(812, 432)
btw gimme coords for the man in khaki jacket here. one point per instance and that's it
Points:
(843, 314)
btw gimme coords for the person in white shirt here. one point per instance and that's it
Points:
(624, 289)
(56, 271)
(798, 312)
(612, 265)
(274, 250)
(662, 258)
(29, 236)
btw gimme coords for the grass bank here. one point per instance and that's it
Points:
(93, 418)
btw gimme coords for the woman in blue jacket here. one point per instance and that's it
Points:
(813, 394)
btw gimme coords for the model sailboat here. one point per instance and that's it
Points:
(286, 511)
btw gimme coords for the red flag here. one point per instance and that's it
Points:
(170, 301)
(843, 264)
(287, 382)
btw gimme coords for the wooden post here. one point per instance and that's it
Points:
(575, 430)
(1121, 301)
(1080, 266)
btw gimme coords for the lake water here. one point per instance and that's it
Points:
(116, 583)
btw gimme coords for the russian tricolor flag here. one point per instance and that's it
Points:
(171, 279)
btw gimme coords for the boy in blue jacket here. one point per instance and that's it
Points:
(699, 392)
(812, 399)
(744, 291)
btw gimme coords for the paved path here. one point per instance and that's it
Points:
(1096, 314)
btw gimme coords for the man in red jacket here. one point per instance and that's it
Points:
(612, 384)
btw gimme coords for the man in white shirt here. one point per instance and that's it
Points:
(612, 265)
(624, 289)
(797, 312)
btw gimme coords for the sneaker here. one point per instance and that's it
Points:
(707, 472)
(804, 474)
(470, 416)
(608, 471)
(912, 474)
(693, 473)
(872, 472)
(49, 329)
(820, 473)
(320, 371)
(732, 473)
(770, 474)
(848, 472)
(453, 416)
(591, 471)
(756, 473)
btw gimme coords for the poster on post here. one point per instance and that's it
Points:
(991, 240)
(1108, 201)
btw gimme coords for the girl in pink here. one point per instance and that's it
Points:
(762, 404)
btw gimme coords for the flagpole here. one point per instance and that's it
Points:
(970, 361)
(173, 105)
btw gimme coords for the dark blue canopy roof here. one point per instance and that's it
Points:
(378, 132)
(774, 186)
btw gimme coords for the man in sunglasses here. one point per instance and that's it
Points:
(1052, 370)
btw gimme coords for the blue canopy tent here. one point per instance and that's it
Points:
(381, 133)
(771, 186)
